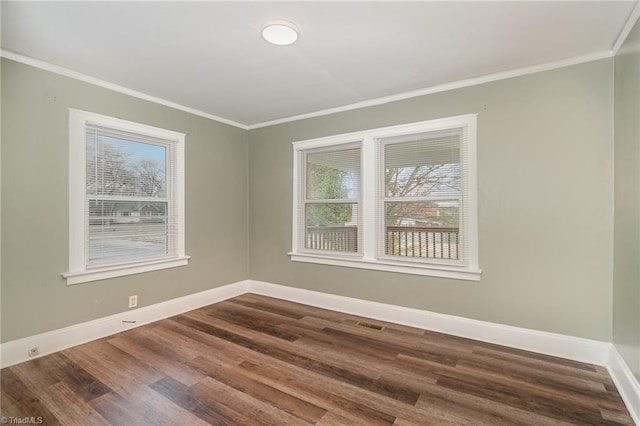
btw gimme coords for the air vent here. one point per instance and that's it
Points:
(369, 325)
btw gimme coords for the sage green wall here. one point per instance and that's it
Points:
(35, 298)
(545, 160)
(626, 264)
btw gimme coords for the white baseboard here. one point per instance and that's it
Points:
(583, 350)
(16, 351)
(625, 382)
(575, 348)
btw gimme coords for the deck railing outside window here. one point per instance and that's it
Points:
(336, 238)
(430, 243)
(405, 241)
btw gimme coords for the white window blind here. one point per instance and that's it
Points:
(331, 198)
(422, 201)
(126, 198)
(130, 212)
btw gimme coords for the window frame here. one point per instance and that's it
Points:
(371, 227)
(79, 270)
(304, 201)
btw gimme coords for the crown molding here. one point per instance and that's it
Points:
(442, 88)
(363, 104)
(633, 18)
(112, 86)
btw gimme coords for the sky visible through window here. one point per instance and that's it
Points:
(120, 166)
(137, 151)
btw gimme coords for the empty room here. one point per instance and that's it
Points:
(320, 213)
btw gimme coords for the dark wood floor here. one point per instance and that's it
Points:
(255, 360)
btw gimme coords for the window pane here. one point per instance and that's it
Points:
(126, 230)
(423, 165)
(122, 167)
(425, 229)
(332, 226)
(333, 175)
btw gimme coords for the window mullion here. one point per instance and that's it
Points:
(410, 199)
(369, 190)
(129, 198)
(332, 201)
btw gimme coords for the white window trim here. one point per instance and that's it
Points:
(369, 258)
(78, 272)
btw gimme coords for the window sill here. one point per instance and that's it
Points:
(122, 270)
(384, 265)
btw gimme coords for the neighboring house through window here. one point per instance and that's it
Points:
(401, 198)
(126, 198)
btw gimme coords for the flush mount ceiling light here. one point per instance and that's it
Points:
(281, 33)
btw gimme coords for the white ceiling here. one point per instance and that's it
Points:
(209, 56)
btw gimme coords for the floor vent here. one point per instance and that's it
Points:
(369, 325)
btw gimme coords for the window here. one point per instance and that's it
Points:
(331, 199)
(399, 199)
(126, 198)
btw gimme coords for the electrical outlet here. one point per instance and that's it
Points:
(33, 352)
(133, 301)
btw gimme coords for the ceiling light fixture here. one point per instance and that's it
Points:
(281, 33)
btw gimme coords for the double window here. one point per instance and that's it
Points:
(400, 199)
(126, 198)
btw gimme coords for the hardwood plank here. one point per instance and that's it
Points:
(620, 416)
(303, 377)
(121, 372)
(543, 358)
(279, 348)
(562, 390)
(322, 391)
(151, 351)
(299, 308)
(55, 368)
(255, 320)
(408, 340)
(159, 410)
(306, 361)
(214, 392)
(66, 407)
(351, 400)
(565, 378)
(588, 372)
(480, 411)
(193, 343)
(500, 388)
(245, 300)
(235, 378)
(17, 400)
(335, 419)
(518, 397)
(118, 410)
(211, 413)
(256, 360)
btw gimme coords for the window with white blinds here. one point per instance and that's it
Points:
(331, 198)
(401, 199)
(126, 198)
(422, 199)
